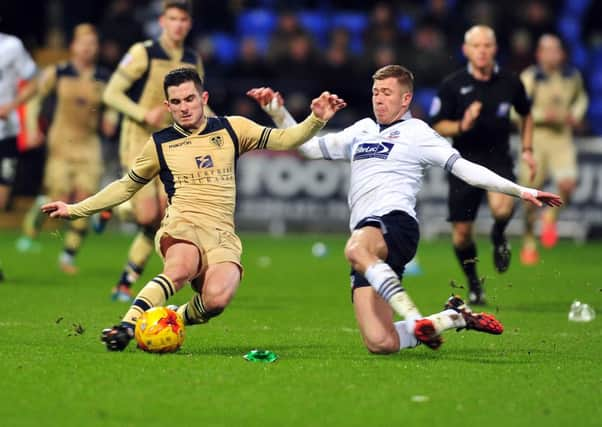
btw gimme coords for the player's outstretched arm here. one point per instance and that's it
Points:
(113, 194)
(272, 103)
(482, 177)
(323, 108)
(330, 146)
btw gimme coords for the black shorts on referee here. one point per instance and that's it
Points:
(463, 199)
(401, 235)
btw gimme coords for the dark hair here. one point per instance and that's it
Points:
(184, 5)
(182, 75)
(402, 74)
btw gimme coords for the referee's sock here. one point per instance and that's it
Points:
(497, 231)
(468, 261)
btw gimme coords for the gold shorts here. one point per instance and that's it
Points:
(64, 176)
(214, 244)
(555, 158)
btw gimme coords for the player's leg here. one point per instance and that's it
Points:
(465, 249)
(502, 208)
(8, 169)
(365, 250)
(147, 210)
(182, 264)
(375, 320)
(32, 225)
(82, 179)
(563, 168)
(529, 254)
(463, 204)
(215, 290)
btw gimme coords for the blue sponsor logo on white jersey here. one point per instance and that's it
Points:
(379, 150)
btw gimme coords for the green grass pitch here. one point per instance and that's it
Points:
(543, 371)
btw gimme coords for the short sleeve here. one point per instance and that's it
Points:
(25, 65)
(251, 136)
(520, 101)
(134, 63)
(443, 105)
(434, 150)
(146, 166)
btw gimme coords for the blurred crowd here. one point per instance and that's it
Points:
(303, 47)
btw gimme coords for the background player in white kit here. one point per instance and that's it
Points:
(16, 65)
(388, 158)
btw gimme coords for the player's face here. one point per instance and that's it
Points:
(390, 100)
(85, 47)
(480, 49)
(185, 103)
(176, 24)
(550, 53)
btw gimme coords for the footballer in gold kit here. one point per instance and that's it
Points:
(559, 103)
(74, 161)
(135, 91)
(195, 159)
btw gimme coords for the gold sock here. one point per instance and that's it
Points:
(154, 294)
(141, 249)
(75, 235)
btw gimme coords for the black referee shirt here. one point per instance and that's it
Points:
(490, 136)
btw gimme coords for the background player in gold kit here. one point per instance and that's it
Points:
(135, 91)
(74, 162)
(195, 159)
(559, 103)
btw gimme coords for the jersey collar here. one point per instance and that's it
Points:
(496, 70)
(185, 132)
(406, 116)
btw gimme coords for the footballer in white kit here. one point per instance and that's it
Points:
(388, 159)
(16, 66)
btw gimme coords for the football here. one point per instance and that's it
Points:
(160, 330)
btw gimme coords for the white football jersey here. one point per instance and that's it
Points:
(387, 166)
(15, 65)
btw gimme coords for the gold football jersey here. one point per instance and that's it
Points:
(198, 169)
(561, 92)
(77, 108)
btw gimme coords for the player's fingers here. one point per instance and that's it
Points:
(279, 98)
(325, 95)
(529, 197)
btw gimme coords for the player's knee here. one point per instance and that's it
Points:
(566, 187)
(381, 344)
(179, 274)
(355, 253)
(462, 236)
(216, 300)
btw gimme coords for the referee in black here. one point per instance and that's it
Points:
(473, 107)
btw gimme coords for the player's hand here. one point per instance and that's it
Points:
(542, 198)
(34, 140)
(531, 164)
(155, 117)
(268, 98)
(5, 111)
(326, 105)
(470, 116)
(56, 210)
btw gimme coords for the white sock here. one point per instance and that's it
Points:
(406, 338)
(448, 319)
(386, 283)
